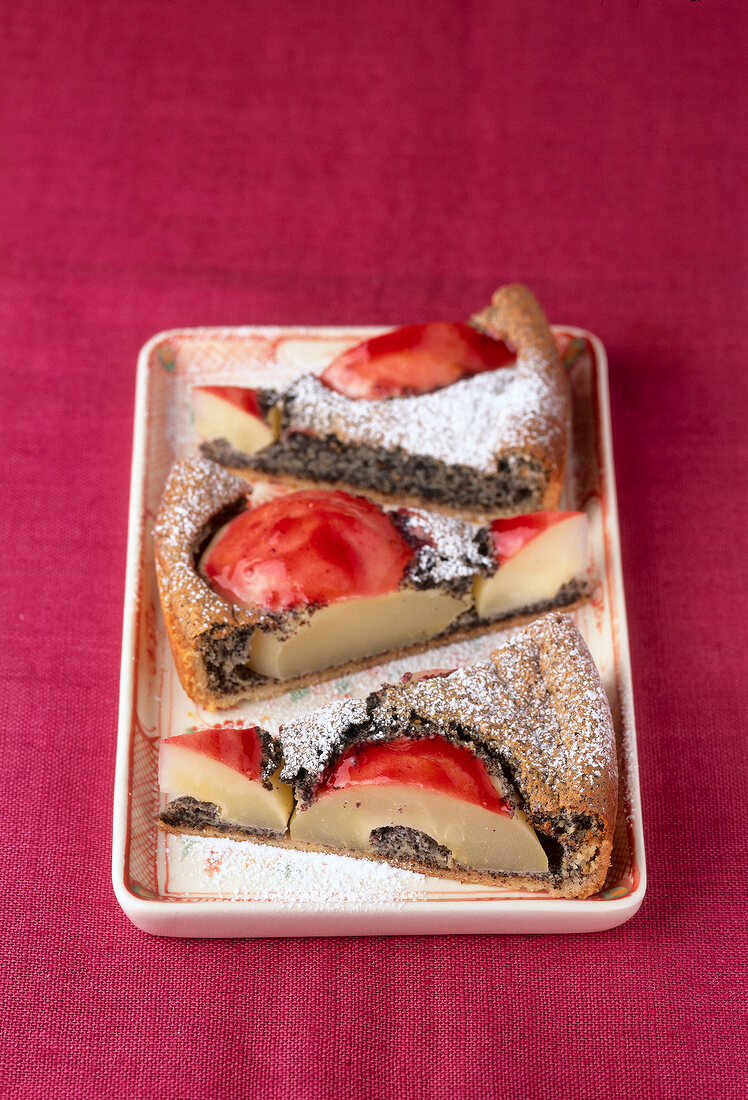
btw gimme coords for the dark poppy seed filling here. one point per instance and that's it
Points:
(517, 485)
(494, 441)
(401, 842)
(190, 815)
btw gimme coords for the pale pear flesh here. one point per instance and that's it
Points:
(240, 799)
(216, 418)
(536, 573)
(478, 838)
(352, 629)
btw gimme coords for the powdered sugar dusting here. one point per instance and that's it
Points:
(563, 720)
(308, 741)
(452, 552)
(202, 487)
(205, 866)
(469, 423)
(540, 702)
(466, 698)
(195, 491)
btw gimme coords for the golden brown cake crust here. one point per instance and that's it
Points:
(573, 774)
(515, 315)
(544, 707)
(196, 491)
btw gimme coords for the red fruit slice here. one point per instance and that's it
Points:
(427, 674)
(509, 536)
(306, 548)
(415, 359)
(239, 749)
(242, 396)
(431, 764)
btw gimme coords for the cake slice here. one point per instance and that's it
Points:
(313, 582)
(502, 773)
(470, 418)
(224, 782)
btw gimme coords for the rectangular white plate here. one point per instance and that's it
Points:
(197, 887)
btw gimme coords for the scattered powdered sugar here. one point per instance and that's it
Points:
(539, 700)
(547, 671)
(466, 698)
(468, 423)
(309, 740)
(244, 871)
(195, 489)
(454, 552)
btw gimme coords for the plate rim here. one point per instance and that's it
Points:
(237, 918)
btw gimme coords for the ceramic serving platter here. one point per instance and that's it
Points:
(187, 886)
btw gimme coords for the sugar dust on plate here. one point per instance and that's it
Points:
(236, 871)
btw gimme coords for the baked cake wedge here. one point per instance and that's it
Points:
(501, 773)
(468, 418)
(262, 597)
(224, 780)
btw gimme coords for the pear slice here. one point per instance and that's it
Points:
(240, 799)
(535, 573)
(478, 838)
(352, 629)
(216, 417)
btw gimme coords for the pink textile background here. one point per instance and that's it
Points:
(184, 163)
